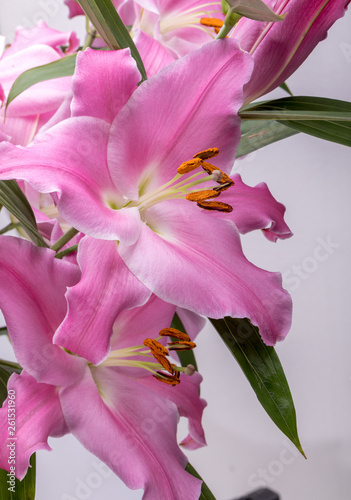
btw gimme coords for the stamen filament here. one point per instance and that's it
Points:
(173, 192)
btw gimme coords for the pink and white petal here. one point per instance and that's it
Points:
(125, 9)
(104, 95)
(133, 431)
(192, 322)
(280, 48)
(196, 261)
(189, 443)
(20, 129)
(176, 114)
(256, 208)
(41, 34)
(74, 8)
(106, 288)
(41, 97)
(64, 159)
(132, 327)
(3, 136)
(154, 55)
(184, 40)
(62, 113)
(186, 397)
(2, 94)
(38, 416)
(32, 288)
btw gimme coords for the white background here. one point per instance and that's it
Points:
(313, 179)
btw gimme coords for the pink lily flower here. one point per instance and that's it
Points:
(117, 410)
(278, 49)
(114, 165)
(176, 24)
(35, 106)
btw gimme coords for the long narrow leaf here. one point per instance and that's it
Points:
(285, 87)
(328, 119)
(12, 197)
(264, 372)
(56, 69)
(255, 134)
(107, 22)
(3, 331)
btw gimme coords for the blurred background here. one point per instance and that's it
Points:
(245, 450)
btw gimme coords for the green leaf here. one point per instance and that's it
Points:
(185, 357)
(107, 22)
(12, 197)
(328, 119)
(256, 134)
(3, 330)
(6, 369)
(206, 493)
(25, 489)
(286, 88)
(264, 372)
(22, 490)
(56, 69)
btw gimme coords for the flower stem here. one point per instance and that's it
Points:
(64, 239)
(67, 251)
(12, 225)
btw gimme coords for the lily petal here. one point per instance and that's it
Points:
(106, 287)
(189, 404)
(133, 431)
(154, 55)
(132, 327)
(280, 48)
(104, 95)
(65, 159)
(38, 416)
(32, 288)
(192, 322)
(197, 263)
(153, 139)
(255, 208)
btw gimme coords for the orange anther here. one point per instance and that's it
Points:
(181, 346)
(203, 195)
(215, 205)
(211, 22)
(207, 153)
(173, 332)
(168, 379)
(188, 166)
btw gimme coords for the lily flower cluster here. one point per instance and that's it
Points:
(142, 174)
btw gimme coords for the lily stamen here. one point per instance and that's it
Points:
(215, 205)
(211, 22)
(173, 332)
(181, 345)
